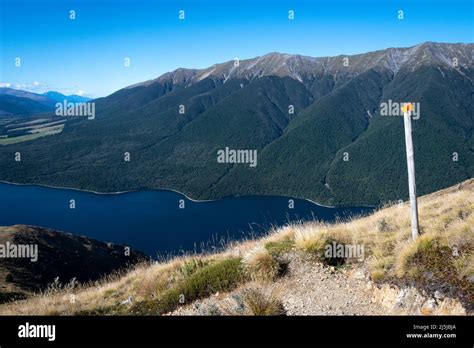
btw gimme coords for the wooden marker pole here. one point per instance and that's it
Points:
(411, 170)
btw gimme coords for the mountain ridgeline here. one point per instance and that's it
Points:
(18, 102)
(335, 147)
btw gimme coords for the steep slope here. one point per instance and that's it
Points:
(297, 162)
(250, 118)
(444, 153)
(174, 125)
(58, 254)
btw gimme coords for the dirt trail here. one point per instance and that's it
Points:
(307, 288)
(314, 289)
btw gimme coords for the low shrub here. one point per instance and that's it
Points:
(278, 248)
(220, 276)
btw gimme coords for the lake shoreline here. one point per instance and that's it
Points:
(171, 190)
(157, 221)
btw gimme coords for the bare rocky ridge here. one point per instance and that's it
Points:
(305, 68)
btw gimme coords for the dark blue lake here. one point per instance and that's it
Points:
(152, 221)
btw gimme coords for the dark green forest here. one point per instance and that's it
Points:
(300, 154)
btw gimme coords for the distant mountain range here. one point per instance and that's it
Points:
(335, 148)
(59, 97)
(17, 102)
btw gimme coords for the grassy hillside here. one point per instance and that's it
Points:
(268, 277)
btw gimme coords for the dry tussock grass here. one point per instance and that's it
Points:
(260, 265)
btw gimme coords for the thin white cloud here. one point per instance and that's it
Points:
(35, 87)
(40, 87)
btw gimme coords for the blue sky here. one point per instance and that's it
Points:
(86, 55)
